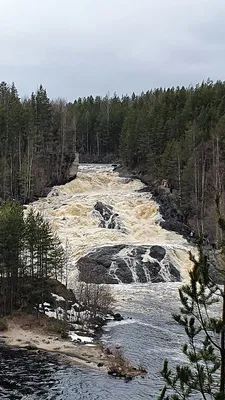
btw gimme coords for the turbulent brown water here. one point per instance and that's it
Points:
(72, 215)
(148, 334)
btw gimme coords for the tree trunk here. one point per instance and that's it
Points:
(222, 351)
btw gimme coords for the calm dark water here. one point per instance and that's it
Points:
(23, 374)
(147, 339)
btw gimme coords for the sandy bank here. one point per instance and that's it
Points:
(23, 332)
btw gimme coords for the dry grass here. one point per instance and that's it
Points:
(43, 324)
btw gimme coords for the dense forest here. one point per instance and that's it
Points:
(37, 143)
(174, 134)
(31, 256)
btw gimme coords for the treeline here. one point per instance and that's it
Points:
(30, 256)
(176, 135)
(39, 137)
(37, 143)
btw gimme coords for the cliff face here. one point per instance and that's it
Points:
(72, 171)
(173, 218)
(46, 175)
(50, 175)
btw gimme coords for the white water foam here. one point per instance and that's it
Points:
(71, 216)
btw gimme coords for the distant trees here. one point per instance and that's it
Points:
(37, 143)
(176, 134)
(30, 254)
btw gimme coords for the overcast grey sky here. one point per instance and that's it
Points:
(81, 47)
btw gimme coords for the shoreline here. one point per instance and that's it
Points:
(29, 338)
(23, 335)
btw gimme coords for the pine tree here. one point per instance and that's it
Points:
(204, 371)
(45, 257)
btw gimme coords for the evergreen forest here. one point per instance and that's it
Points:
(31, 258)
(175, 134)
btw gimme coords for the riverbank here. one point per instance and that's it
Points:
(26, 332)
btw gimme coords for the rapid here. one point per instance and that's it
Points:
(148, 334)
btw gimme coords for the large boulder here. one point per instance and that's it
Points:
(104, 210)
(127, 264)
(157, 252)
(108, 218)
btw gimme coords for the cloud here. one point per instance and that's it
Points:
(76, 48)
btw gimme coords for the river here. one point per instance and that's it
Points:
(148, 334)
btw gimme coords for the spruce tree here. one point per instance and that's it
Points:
(45, 257)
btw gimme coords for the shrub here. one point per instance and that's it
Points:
(58, 327)
(97, 299)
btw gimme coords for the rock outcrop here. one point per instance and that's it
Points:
(127, 264)
(108, 218)
(168, 200)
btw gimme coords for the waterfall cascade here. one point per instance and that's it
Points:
(113, 229)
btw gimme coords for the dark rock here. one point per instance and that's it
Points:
(100, 365)
(145, 189)
(108, 352)
(141, 274)
(109, 219)
(104, 210)
(64, 335)
(157, 252)
(175, 274)
(118, 317)
(71, 178)
(2, 341)
(114, 222)
(154, 270)
(31, 347)
(123, 272)
(112, 372)
(176, 226)
(128, 378)
(107, 265)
